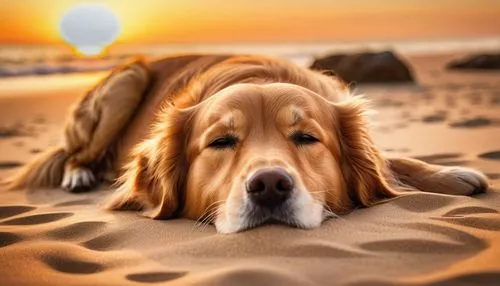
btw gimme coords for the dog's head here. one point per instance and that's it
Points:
(253, 154)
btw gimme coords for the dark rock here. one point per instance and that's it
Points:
(367, 67)
(475, 123)
(477, 62)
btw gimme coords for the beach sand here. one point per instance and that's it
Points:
(51, 237)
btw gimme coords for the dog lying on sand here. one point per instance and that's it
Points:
(234, 140)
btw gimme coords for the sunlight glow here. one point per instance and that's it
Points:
(89, 28)
(143, 22)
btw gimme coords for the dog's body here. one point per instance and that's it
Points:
(238, 140)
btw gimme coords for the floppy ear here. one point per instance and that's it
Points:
(154, 180)
(367, 178)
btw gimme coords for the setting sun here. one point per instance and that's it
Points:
(194, 21)
(89, 28)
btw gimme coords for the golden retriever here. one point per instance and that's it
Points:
(237, 141)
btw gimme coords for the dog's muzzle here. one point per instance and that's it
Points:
(270, 187)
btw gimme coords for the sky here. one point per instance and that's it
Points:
(261, 21)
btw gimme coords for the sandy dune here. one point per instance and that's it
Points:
(50, 237)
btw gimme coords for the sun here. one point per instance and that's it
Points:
(89, 28)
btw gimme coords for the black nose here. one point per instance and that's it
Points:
(270, 187)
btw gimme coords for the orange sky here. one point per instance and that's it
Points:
(226, 21)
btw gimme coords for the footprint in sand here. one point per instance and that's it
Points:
(493, 155)
(10, 164)
(486, 223)
(470, 210)
(422, 202)
(8, 211)
(77, 230)
(459, 241)
(63, 263)
(459, 236)
(8, 238)
(103, 242)
(155, 277)
(37, 219)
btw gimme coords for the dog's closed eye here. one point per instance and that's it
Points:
(224, 142)
(301, 138)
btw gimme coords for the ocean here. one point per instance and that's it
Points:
(38, 60)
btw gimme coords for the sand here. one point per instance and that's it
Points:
(51, 237)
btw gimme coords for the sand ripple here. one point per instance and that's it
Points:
(7, 238)
(13, 210)
(69, 264)
(155, 277)
(37, 219)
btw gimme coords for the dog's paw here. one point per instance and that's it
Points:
(78, 179)
(464, 181)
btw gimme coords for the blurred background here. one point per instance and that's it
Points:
(62, 36)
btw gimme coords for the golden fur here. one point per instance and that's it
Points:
(150, 126)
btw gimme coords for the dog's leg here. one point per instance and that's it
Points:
(438, 179)
(97, 120)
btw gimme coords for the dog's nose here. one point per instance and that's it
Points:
(270, 187)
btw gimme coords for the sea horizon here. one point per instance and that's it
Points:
(28, 59)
